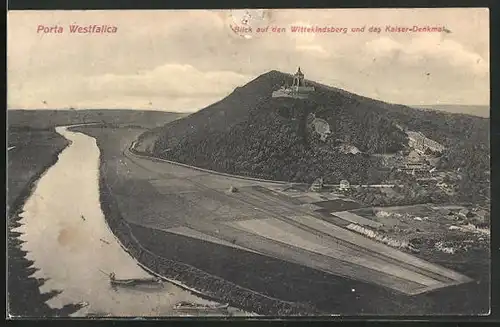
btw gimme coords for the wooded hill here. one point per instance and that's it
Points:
(250, 133)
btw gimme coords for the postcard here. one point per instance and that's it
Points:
(248, 163)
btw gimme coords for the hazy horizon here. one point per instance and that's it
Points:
(438, 107)
(185, 60)
(484, 110)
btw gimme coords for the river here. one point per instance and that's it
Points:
(66, 235)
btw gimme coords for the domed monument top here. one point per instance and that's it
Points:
(299, 73)
(298, 90)
(298, 78)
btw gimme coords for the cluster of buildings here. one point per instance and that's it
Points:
(421, 143)
(318, 185)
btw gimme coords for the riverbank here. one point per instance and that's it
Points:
(26, 167)
(34, 147)
(207, 286)
(75, 232)
(147, 213)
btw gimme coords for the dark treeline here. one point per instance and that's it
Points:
(249, 133)
(270, 146)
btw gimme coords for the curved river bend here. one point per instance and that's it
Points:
(67, 237)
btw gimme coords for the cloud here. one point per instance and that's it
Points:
(171, 80)
(307, 43)
(383, 46)
(429, 47)
(302, 38)
(173, 86)
(314, 49)
(206, 60)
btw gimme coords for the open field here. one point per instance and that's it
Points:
(163, 207)
(50, 118)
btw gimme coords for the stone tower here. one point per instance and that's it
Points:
(298, 90)
(298, 78)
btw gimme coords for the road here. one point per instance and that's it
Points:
(178, 200)
(197, 229)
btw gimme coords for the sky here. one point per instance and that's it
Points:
(185, 60)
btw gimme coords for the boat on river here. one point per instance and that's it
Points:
(133, 281)
(189, 306)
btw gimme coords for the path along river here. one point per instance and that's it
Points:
(67, 237)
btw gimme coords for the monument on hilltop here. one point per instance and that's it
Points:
(298, 90)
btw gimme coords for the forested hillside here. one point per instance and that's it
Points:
(250, 133)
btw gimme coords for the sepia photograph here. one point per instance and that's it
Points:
(248, 163)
